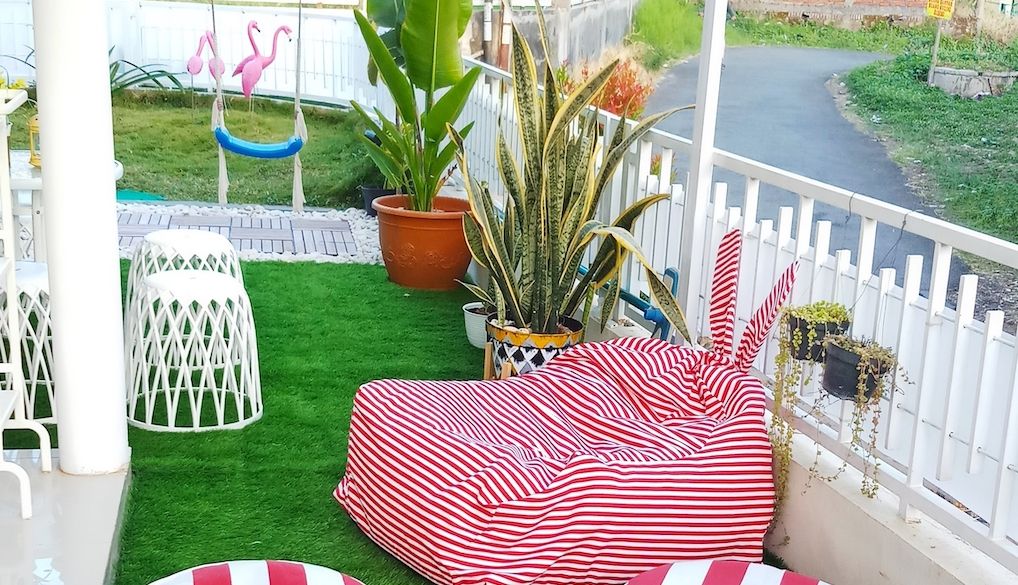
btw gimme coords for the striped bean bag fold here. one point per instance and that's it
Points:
(611, 459)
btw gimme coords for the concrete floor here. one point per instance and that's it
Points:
(72, 531)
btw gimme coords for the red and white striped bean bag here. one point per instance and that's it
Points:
(720, 573)
(610, 460)
(258, 573)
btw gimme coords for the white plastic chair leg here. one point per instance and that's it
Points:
(45, 446)
(23, 487)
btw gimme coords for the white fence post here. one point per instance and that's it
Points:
(693, 247)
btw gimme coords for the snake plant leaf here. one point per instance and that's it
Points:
(448, 107)
(430, 42)
(479, 292)
(552, 99)
(542, 29)
(666, 302)
(394, 78)
(618, 150)
(526, 101)
(509, 170)
(611, 298)
(482, 210)
(580, 99)
(475, 240)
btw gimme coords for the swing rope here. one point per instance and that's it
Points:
(299, 127)
(291, 147)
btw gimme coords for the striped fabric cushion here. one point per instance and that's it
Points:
(720, 573)
(610, 460)
(258, 573)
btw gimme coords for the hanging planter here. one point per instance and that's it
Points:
(854, 368)
(525, 350)
(809, 325)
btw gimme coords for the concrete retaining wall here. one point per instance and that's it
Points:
(846, 13)
(969, 83)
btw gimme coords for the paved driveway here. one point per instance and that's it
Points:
(775, 108)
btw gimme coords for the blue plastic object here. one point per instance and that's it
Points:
(650, 312)
(257, 150)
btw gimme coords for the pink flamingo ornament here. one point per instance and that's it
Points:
(216, 65)
(252, 70)
(251, 27)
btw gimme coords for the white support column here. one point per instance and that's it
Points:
(708, 86)
(76, 126)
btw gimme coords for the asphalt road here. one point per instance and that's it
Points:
(775, 108)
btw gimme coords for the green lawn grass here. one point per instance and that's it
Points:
(167, 148)
(968, 147)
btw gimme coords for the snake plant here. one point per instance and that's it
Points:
(534, 249)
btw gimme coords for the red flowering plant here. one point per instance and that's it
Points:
(624, 95)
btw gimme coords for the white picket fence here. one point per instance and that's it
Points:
(951, 430)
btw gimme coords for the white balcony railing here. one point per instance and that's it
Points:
(950, 434)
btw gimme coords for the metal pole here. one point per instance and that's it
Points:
(936, 49)
(694, 215)
(76, 127)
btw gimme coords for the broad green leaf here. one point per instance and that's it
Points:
(449, 107)
(430, 41)
(386, 13)
(394, 78)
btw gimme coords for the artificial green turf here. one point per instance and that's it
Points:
(167, 148)
(266, 491)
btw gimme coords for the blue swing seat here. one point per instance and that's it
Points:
(256, 150)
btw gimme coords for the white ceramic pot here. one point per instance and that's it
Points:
(475, 322)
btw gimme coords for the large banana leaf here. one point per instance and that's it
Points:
(386, 13)
(430, 42)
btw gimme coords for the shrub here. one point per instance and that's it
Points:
(668, 30)
(624, 95)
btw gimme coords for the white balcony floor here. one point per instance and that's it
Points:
(69, 537)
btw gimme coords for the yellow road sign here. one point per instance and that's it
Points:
(941, 9)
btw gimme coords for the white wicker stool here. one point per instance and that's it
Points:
(191, 354)
(182, 250)
(36, 340)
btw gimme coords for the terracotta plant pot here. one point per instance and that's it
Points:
(529, 351)
(423, 249)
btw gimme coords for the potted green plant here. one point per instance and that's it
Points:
(420, 231)
(533, 249)
(853, 369)
(808, 325)
(856, 369)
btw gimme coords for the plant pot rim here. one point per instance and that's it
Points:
(443, 208)
(576, 331)
(815, 322)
